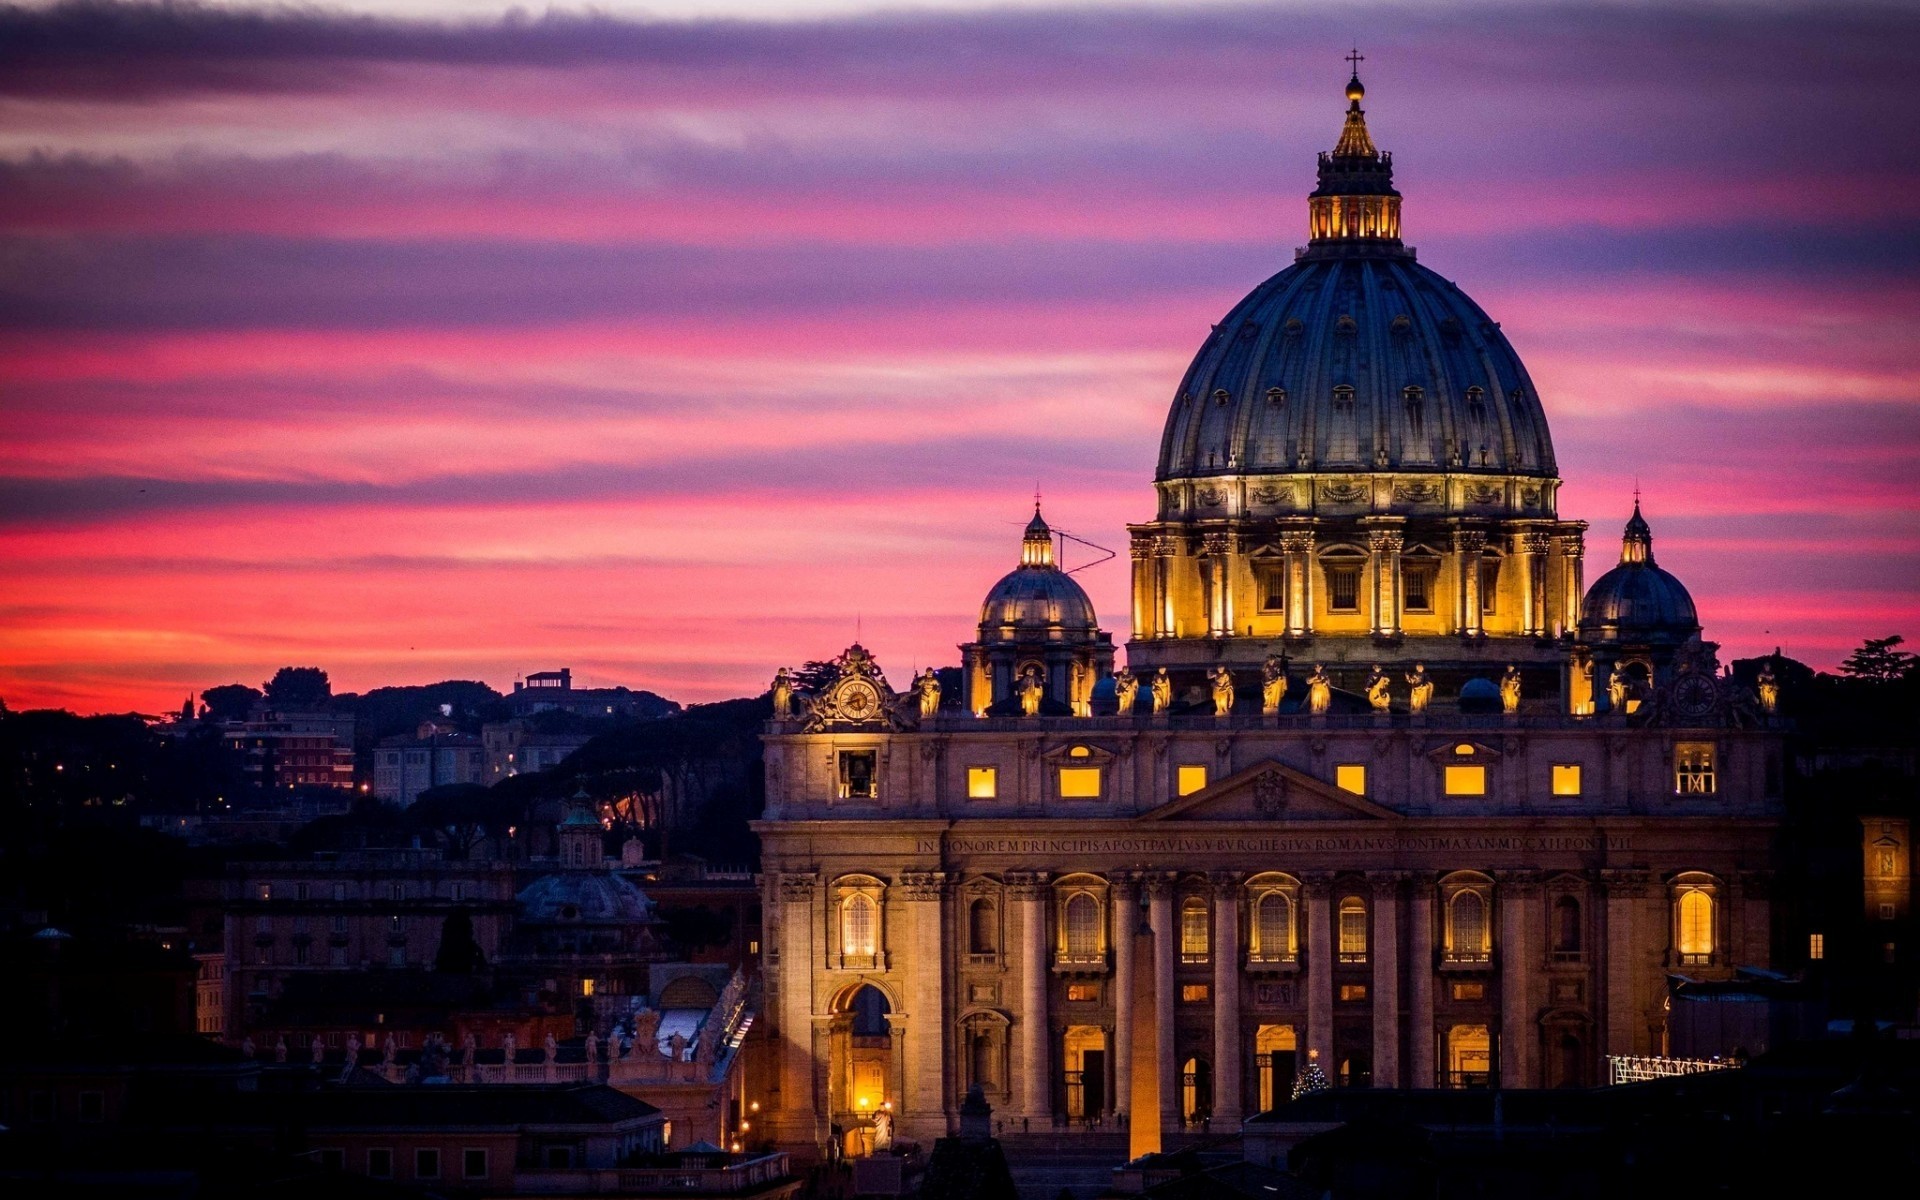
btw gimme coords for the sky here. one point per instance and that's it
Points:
(677, 342)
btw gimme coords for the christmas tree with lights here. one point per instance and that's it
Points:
(1311, 1078)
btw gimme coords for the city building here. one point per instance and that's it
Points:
(435, 756)
(545, 691)
(516, 748)
(287, 750)
(1383, 786)
(347, 913)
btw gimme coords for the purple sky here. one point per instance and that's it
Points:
(669, 348)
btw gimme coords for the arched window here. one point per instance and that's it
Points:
(1696, 926)
(1273, 928)
(1083, 928)
(982, 1056)
(1193, 930)
(1353, 929)
(859, 926)
(1467, 939)
(1566, 928)
(982, 928)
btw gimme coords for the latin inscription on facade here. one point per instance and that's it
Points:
(1279, 843)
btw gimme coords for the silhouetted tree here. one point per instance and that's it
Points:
(459, 954)
(1880, 660)
(230, 701)
(299, 687)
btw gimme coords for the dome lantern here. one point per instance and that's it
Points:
(1355, 200)
(1036, 546)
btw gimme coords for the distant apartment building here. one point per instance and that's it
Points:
(376, 908)
(281, 751)
(404, 767)
(516, 748)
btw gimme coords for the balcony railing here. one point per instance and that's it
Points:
(732, 1179)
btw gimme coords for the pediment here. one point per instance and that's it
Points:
(1270, 791)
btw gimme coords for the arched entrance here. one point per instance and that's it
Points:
(1275, 1057)
(1084, 1061)
(1469, 1057)
(862, 1080)
(1196, 1090)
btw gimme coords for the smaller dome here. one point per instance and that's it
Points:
(1356, 92)
(1637, 601)
(1036, 599)
(584, 898)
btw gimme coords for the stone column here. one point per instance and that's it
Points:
(1142, 554)
(800, 1067)
(1385, 952)
(1030, 892)
(1624, 890)
(1532, 548)
(1166, 936)
(1126, 919)
(1572, 558)
(1518, 966)
(1376, 611)
(1420, 1073)
(1213, 564)
(1468, 545)
(1297, 546)
(1229, 1041)
(1164, 548)
(1396, 542)
(924, 1094)
(1318, 894)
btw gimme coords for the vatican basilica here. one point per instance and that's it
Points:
(1381, 785)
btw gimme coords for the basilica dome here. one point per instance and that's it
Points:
(1637, 601)
(1362, 362)
(1036, 598)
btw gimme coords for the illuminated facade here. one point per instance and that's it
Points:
(1380, 783)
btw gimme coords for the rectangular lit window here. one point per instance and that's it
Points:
(1192, 778)
(1083, 993)
(1816, 946)
(1080, 783)
(859, 774)
(1566, 779)
(586, 987)
(1273, 590)
(983, 783)
(1489, 586)
(1343, 589)
(1416, 594)
(1194, 993)
(1353, 993)
(1466, 781)
(1351, 777)
(1693, 769)
(1470, 991)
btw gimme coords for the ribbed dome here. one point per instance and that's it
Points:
(1036, 599)
(1356, 361)
(1637, 601)
(584, 897)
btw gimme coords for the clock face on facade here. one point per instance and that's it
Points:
(1694, 695)
(858, 700)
